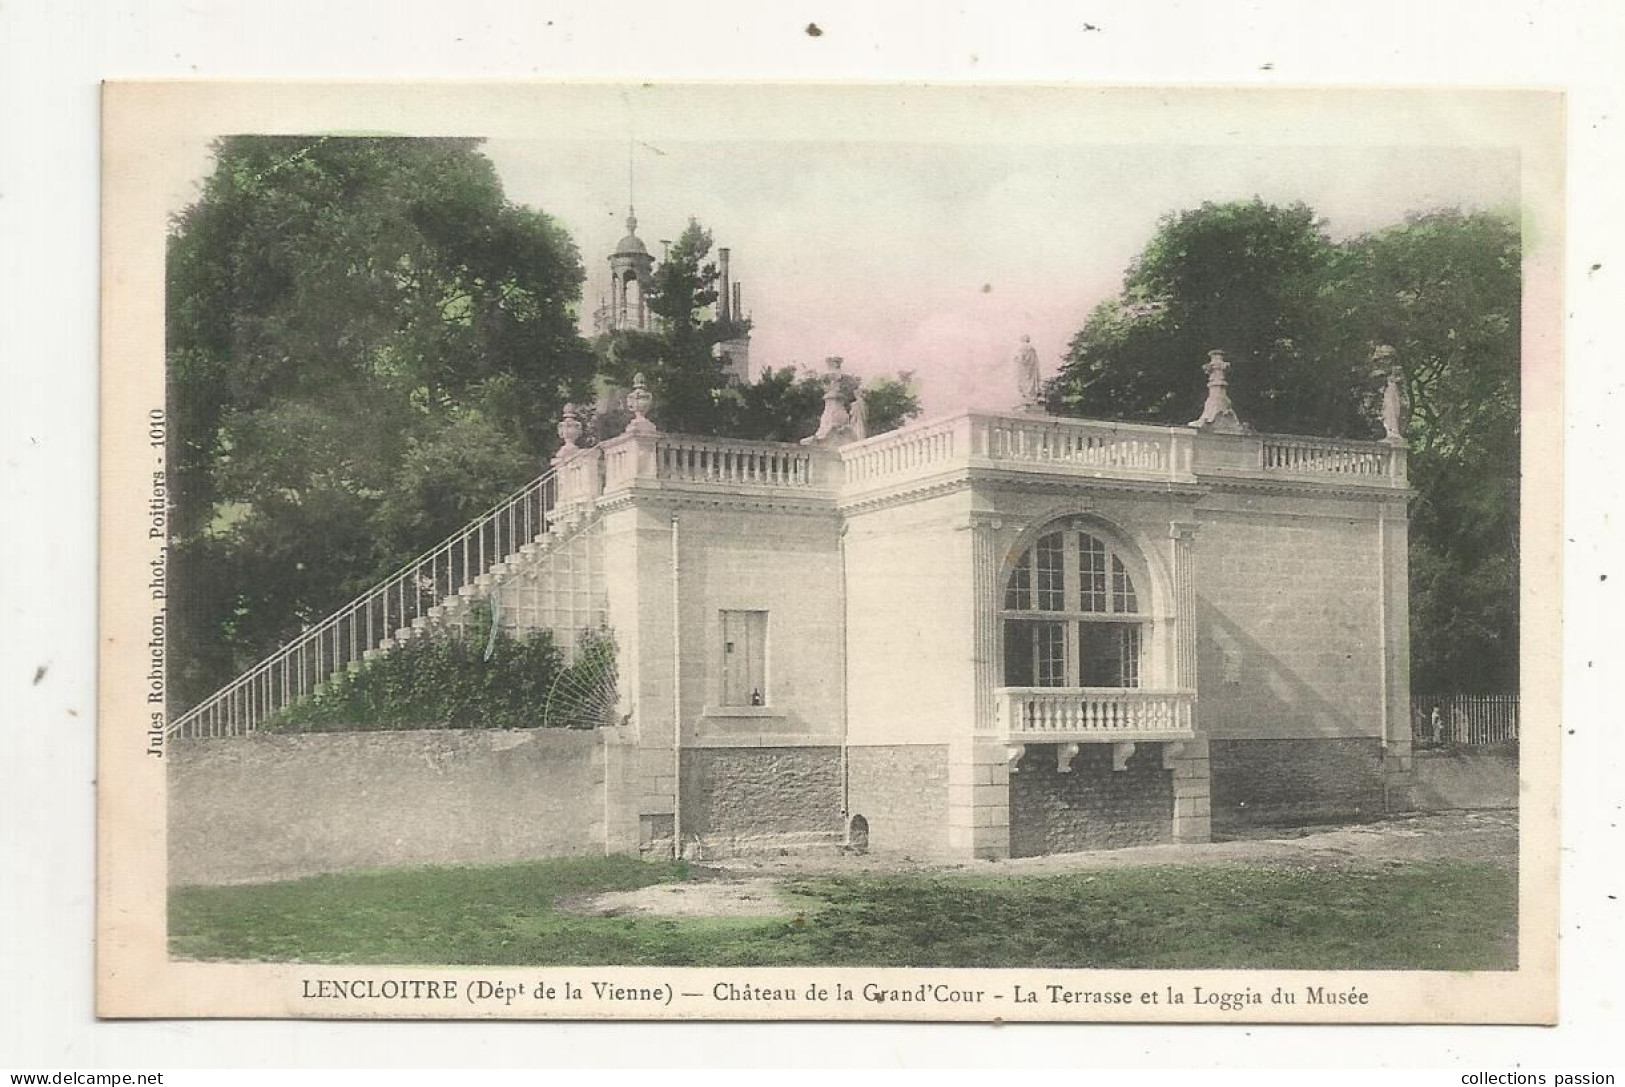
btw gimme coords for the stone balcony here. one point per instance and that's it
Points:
(975, 443)
(1092, 715)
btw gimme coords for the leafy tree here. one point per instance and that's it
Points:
(1244, 278)
(784, 405)
(1299, 316)
(367, 345)
(891, 402)
(679, 359)
(1444, 290)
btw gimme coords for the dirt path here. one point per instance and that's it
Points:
(752, 886)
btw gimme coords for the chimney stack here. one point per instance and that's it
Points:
(723, 298)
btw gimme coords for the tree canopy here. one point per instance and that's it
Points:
(368, 344)
(1298, 315)
(678, 359)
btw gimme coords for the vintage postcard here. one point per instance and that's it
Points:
(1000, 553)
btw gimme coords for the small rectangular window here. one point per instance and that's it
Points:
(744, 658)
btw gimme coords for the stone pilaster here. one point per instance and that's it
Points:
(978, 770)
(985, 616)
(1394, 615)
(1184, 537)
(1193, 806)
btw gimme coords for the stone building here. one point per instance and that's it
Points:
(992, 634)
(631, 281)
(995, 633)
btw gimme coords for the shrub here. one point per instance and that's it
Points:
(445, 680)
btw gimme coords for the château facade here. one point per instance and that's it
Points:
(995, 633)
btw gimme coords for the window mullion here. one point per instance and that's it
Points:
(1074, 602)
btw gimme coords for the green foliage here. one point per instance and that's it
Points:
(367, 343)
(442, 681)
(1412, 916)
(1298, 316)
(784, 406)
(679, 360)
(1242, 277)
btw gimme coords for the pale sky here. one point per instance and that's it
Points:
(937, 258)
(928, 229)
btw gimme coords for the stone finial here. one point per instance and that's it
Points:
(1393, 395)
(570, 429)
(640, 400)
(1218, 414)
(1029, 384)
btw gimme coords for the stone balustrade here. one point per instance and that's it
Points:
(1084, 444)
(973, 441)
(1086, 714)
(1312, 456)
(727, 463)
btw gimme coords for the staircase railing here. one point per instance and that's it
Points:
(392, 609)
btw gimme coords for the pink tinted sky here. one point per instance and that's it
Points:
(938, 258)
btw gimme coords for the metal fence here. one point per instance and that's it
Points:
(1464, 720)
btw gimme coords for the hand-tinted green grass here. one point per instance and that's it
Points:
(1414, 916)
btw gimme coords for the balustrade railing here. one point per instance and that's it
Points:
(1278, 453)
(1079, 443)
(703, 460)
(385, 612)
(905, 451)
(1101, 448)
(1070, 713)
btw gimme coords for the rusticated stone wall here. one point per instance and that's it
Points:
(1091, 806)
(1264, 782)
(747, 799)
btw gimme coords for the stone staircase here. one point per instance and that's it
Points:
(522, 554)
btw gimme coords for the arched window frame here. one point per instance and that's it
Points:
(1068, 577)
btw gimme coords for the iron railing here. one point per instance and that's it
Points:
(1464, 720)
(396, 608)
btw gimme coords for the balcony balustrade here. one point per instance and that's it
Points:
(1093, 714)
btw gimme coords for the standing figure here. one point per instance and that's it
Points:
(1029, 384)
(1393, 396)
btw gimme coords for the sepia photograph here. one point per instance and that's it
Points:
(819, 552)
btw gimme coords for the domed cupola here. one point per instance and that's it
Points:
(631, 279)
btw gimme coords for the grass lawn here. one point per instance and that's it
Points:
(1415, 916)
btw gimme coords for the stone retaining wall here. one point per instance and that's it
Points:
(269, 807)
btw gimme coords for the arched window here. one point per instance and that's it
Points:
(1071, 615)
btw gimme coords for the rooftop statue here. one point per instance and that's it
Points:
(1029, 384)
(1393, 396)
